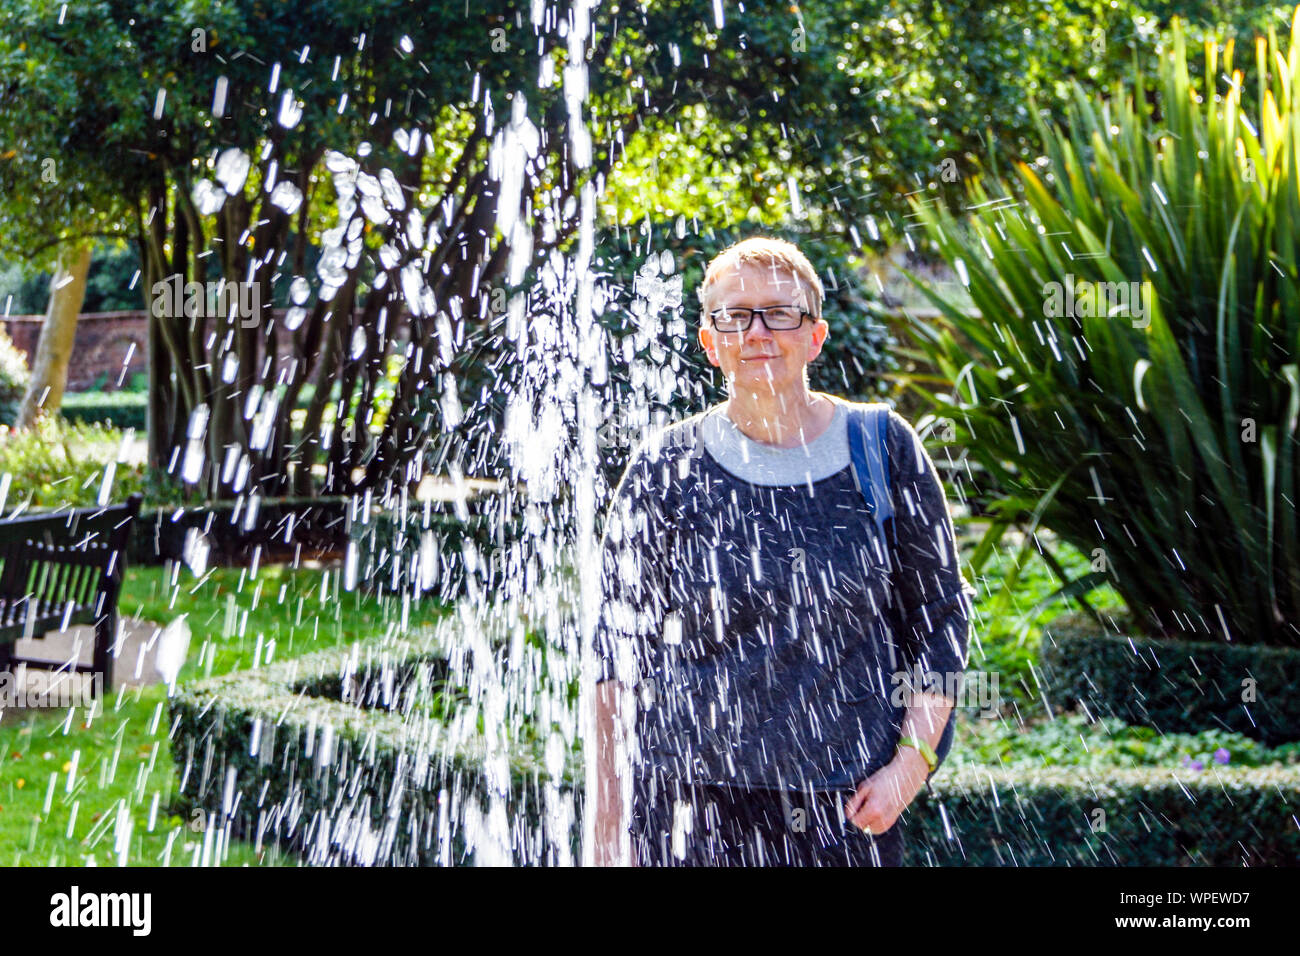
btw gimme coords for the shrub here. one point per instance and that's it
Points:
(1075, 740)
(124, 409)
(1175, 685)
(56, 464)
(1160, 440)
(13, 378)
(1139, 816)
(339, 783)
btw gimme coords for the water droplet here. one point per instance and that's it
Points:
(232, 169)
(290, 111)
(195, 550)
(207, 197)
(393, 194)
(287, 196)
(375, 210)
(332, 267)
(299, 290)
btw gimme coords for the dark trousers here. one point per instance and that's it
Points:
(679, 824)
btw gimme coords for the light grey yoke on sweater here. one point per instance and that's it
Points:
(762, 464)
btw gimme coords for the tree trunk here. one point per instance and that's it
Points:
(54, 350)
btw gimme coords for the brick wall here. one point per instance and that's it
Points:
(103, 345)
(104, 341)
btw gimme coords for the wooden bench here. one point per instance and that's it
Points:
(61, 569)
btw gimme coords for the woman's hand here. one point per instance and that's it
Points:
(881, 799)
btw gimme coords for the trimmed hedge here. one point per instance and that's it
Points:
(1175, 686)
(341, 785)
(276, 754)
(976, 816)
(389, 549)
(159, 535)
(125, 408)
(119, 409)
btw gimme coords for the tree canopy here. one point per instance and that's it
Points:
(395, 173)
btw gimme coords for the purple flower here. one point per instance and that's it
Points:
(1222, 756)
(1193, 764)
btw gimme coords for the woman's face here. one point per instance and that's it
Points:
(759, 359)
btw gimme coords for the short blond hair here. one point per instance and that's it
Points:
(763, 251)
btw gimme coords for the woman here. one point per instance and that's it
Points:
(755, 627)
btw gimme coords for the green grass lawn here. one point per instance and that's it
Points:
(78, 788)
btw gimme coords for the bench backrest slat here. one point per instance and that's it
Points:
(55, 565)
(60, 569)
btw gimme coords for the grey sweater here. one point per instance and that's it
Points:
(748, 599)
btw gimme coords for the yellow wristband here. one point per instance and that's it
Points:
(931, 758)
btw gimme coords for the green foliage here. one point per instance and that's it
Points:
(1074, 740)
(22, 291)
(857, 106)
(1160, 440)
(108, 282)
(124, 409)
(14, 377)
(1118, 816)
(57, 464)
(1007, 636)
(1174, 685)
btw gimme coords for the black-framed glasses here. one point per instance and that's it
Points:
(777, 318)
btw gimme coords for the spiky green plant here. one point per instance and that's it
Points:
(1157, 437)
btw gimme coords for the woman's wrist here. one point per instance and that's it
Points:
(924, 754)
(912, 763)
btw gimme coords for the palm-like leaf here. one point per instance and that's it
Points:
(1164, 437)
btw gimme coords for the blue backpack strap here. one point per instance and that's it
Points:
(868, 429)
(869, 453)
